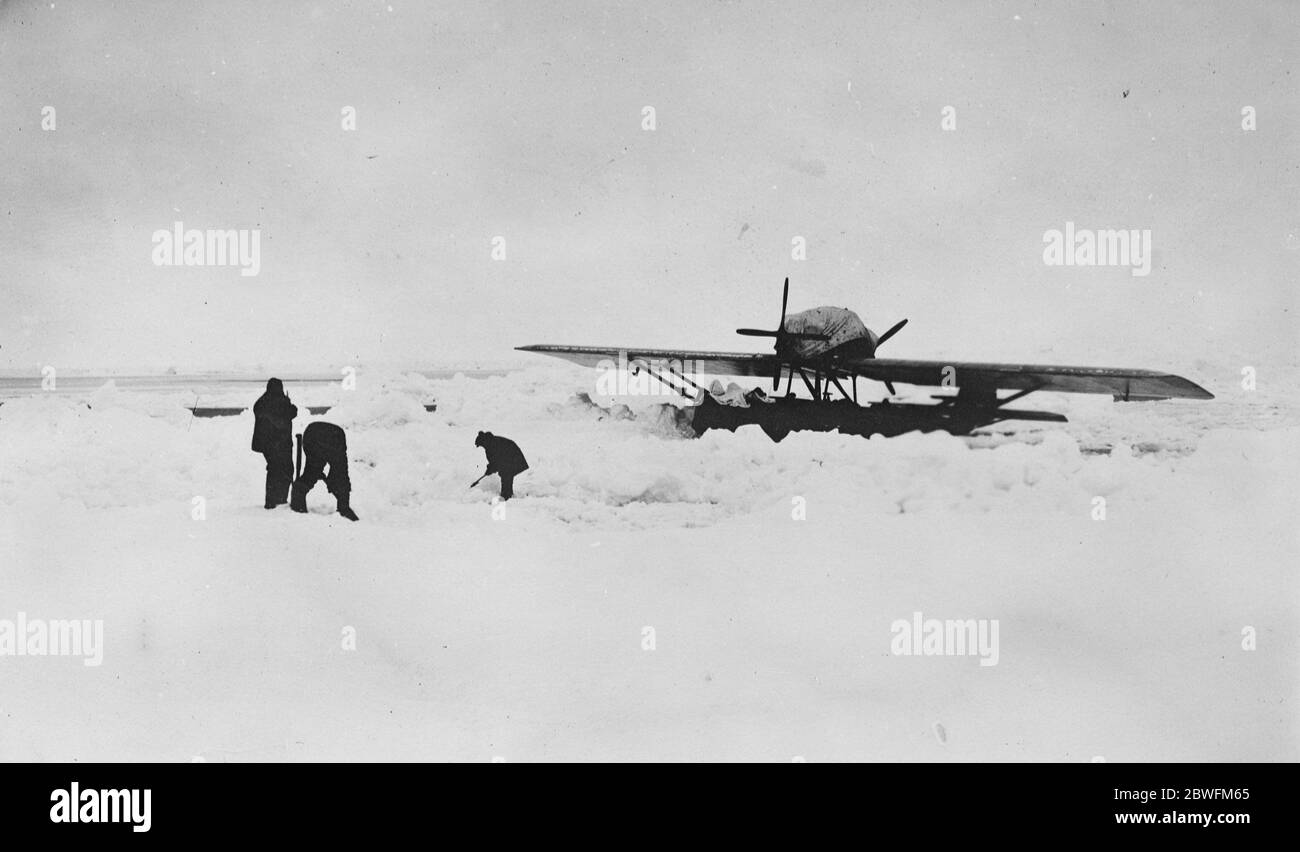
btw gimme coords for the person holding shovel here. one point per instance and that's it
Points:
(503, 458)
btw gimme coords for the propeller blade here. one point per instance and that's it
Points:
(890, 385)
(776, 378)
(897, 328)
(779, 332)
(785, 296)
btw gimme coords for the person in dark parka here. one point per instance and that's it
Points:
(324, 445)
(503, 457)
(273, 438)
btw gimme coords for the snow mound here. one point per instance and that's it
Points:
(382, 402)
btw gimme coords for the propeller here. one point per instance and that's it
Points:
(898, 326)
(895, 329)
(781, 334)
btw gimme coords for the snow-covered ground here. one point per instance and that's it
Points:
(650, 595)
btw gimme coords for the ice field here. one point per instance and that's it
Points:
(650, 595)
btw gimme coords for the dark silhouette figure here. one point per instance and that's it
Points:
(325, 445)
(503, 457)
(273, 438)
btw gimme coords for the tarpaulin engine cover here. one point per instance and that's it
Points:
(839, 324)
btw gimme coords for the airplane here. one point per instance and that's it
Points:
(827, 347)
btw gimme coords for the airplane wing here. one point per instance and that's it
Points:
(1121, 383)
(719, 363)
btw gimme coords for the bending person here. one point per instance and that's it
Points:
(324, 445)
(503, 457)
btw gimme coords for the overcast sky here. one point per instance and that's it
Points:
(524, 120)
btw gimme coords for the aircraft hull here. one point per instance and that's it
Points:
(779, 418)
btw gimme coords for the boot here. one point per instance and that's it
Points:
(346, 510)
